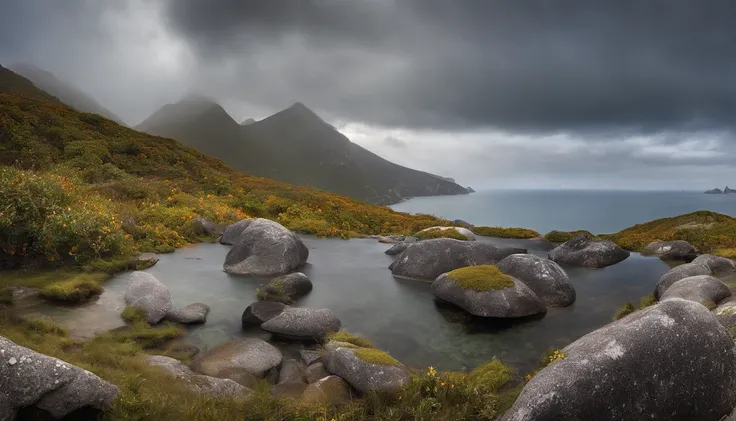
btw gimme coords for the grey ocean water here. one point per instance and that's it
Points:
(597, 211)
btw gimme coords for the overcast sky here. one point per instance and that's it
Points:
(498, 94)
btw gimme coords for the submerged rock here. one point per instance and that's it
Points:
(670, 250)
(289, 286)
(239, 360)
(428, 259)
(260, 312)
(460, 230)
(329, 390)
(265, 248)
(390, 239)
(232, 232)
(584, 250)
(192, 314)
(198, 382)
(717, 265)
(145, 261)
(149, 294)
(671, 361)
(366, 376)
(703, 289)
(303, 323)
(677, 273)
(545, 277)
(30, 379)
(508, 297)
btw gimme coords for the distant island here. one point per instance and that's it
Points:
(719, 191)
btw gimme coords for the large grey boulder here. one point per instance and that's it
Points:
(468, 234)
(584, 250)
(232, 232)
(198, 382)
(362, 375)
(30, 379)
(677, 273)
(288, 287)
(191, 314)
(702, 289)
(545, 277)
(149, 294)
(266, 248)
(514, 301)
(670, 250)
(303, 323)
(428, 259)
(240, 359)
(671, 361)
(717, 265)
(400, 247)
(260, 312)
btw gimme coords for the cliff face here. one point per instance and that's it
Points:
(295, 146)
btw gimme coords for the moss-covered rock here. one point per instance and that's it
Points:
(366, 369)
(457, 233)
(501, 232)
(481, 278)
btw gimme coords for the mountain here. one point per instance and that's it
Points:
(247, 122)
(714, 191)
(295, 146)
(727, 190)
(65, 92)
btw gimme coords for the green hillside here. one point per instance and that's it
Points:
(81, 187)
(295, 146)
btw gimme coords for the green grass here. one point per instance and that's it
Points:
(481, 278)
(563, 236)
(77, 289)
(440, 233)
(375, 356)
(132, 314)
(347, 337)
(501, 232)
(628, 308)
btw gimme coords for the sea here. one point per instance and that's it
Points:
(597, 211)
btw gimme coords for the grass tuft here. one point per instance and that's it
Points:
(628, 308)
(132, 314)
(481, 278)
(375, 356)
(347, 337)
(76, 289)
(501, 232)
(440, 233)
(564, 236)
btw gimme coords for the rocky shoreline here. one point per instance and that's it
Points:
(481, 279)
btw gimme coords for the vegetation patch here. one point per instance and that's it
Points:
(501, 232)
(564, 236)
(274, 291)
(707, 231)
(347, 337)
(628, 308)
(481, 278)
(375, 356)
(133, 314)
(76, 289)
(440, 233)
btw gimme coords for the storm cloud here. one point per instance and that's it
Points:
(534, 93)
(517, 65)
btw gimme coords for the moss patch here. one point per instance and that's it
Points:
(490, 377)
(501, 232)
(132, 314)
(375, 356)
(564, 236)
(481, 278)
(347, 337)
(77, 289)
(440, 233)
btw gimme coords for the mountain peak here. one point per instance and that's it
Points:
(247, 122)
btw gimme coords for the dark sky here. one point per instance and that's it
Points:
(614, 94)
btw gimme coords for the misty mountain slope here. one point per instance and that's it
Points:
(65, 92)
(298, 147)
(11, 82)
(198, 123)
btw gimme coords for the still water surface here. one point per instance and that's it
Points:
(351, 278)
